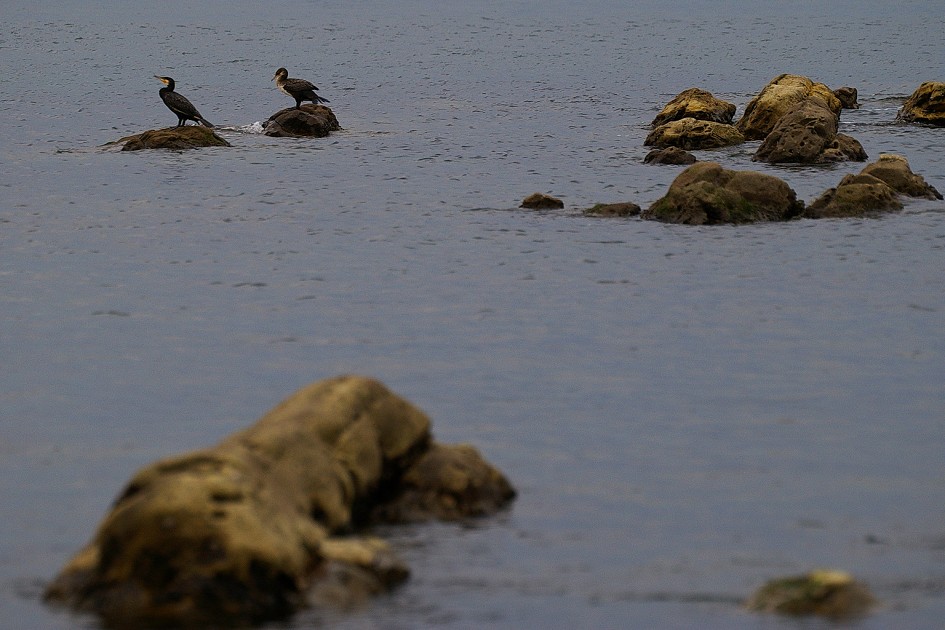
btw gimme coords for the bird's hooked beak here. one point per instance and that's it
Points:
(161, 79)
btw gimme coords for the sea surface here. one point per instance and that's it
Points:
(685, 411)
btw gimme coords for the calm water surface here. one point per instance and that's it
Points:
(686, 412)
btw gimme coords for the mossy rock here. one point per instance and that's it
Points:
(832, 594)
(175, 138)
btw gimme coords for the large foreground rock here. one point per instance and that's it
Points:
(696, 103)
(250, 529)
(178, 138)
(308, 121)
(876, 188)
(706, 193)
(692, 134)
(782, 95)
(926, 105)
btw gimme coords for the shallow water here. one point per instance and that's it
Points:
(685, 412)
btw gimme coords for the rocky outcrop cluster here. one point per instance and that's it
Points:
(796, 118)
(260, 525)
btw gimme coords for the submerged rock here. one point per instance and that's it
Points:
(308, 121)
(782, 95)
(696, 103)
(706, 193)
(250, 529)
(541, 201)
(178, 138)
(925, 105)
(623, 209)
(832, 594)
(669, 155)
(691, 134)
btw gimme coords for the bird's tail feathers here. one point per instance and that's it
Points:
(205, 123)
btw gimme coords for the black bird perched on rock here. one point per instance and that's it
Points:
(299, 89)
(184, 109)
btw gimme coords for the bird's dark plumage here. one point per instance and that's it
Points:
(178, 104)
(299, 89)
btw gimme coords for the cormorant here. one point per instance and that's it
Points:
(184, 109)
(299, 89)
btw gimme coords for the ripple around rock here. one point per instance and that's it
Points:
(177, 138)
(258, 526)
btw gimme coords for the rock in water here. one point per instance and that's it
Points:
(695, 103)
(706, 193)
(178, 138)
(247, 531)
(783, 94)
(541, 201)
(874, 189)
(692, 134)
(832, 594)
(926, 105)
(308, 121)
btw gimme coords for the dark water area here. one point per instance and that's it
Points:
(686, 412)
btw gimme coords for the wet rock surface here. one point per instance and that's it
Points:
(260, 525)
(177, 138)
(309, 120)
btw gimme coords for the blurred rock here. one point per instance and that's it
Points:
(832, 594)
(249, 530)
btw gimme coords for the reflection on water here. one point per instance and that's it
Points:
(685, 411)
